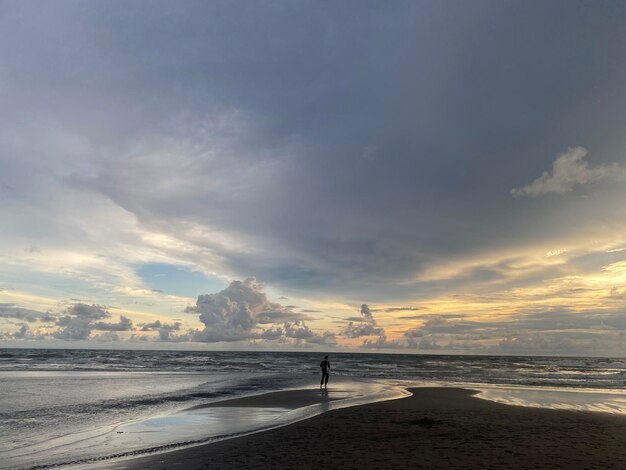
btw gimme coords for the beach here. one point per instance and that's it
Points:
(436, 427)
(113, 409)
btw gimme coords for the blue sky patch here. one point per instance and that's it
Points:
(178, 280)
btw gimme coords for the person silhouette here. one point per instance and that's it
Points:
(325, 365)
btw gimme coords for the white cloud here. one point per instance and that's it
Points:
(80, 319)
(570, 170)
(231, 314)
(299, 331)
(165, 329)
(125, 324)
(235, 313)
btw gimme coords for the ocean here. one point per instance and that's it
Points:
(69, 408)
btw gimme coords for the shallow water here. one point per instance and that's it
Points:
(606, 401)
(91, 431)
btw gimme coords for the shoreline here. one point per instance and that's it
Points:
(436, 427)
(195, 426)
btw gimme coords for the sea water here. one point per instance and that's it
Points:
(67, 407)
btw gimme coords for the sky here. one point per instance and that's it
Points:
(407, 176)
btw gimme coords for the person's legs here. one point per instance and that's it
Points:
(326, 379)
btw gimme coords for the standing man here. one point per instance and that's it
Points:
(325, 365)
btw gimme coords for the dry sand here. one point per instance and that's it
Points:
(435, 428)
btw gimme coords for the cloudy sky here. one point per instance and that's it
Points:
(414, 176)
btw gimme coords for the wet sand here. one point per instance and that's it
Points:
(290, 399)
(435, 428)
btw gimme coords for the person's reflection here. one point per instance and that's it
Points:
(324, 400)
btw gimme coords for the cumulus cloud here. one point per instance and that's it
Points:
(107, 336)
(125, 324)
(273, 334)
(9, 310)
(23, 333)
(158, 324)
(555, 331)
(76, 322)
(80, 319)
(366, 326)
(164, 329)
(424, 337)
(299, 331)
(235, 313)
(427, 343)
(366, 312)
(411, 339)
(383, 343)
(232, 314)
(570, 170)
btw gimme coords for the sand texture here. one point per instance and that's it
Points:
(290, 399)
(435, 428)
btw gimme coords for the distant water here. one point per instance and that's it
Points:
(519, 370)
(515, 370)
(60, 406)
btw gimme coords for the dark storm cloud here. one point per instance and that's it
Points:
(327, 87)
